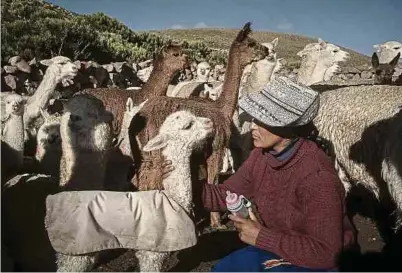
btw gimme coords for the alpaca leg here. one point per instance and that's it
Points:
(213, 163)
(75, 263)
(149, 261)
(393, 180)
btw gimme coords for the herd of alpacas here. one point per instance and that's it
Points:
(116, 139)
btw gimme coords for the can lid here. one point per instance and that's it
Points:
(233, 202)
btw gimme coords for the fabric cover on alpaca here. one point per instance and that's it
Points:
(147, 220)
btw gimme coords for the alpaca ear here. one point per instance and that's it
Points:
(374, 60)
(44, 113)
(246, 30)
(275, 42)
(46, 62)
(129, 104)
(207, 88)
(138, 108)
(156, 143)
(376, 46)
(395, 60)
(322, 43)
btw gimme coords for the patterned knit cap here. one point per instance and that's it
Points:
(282, 103)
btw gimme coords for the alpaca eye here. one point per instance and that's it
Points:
(75, 118)
(396, 48)
(176, 54)
(188, 126)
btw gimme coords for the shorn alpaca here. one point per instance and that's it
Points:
(242, 51)
(359, 121)
(48, 144)
(167, 63)
(179, 135)
(319, 61)
(384, 71)
(12, 132)
(85, 136)
(60, 70)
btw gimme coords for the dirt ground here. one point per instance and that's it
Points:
(373, 252)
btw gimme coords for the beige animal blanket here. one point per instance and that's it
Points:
(80, 222)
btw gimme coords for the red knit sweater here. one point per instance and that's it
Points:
(300, 202)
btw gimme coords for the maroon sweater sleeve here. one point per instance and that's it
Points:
(320, 241)
(213, 196)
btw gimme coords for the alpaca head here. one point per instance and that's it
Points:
(172, 58)
(203, 71)
(182, 131)
(62, 68)
(48, 135)
(328, 54)
(388, 51)
(211, 92)
(271, 46)
(246, 48)
(384, 71)
(86, 122)
(13, 104)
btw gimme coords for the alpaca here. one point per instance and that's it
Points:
(85, 139)
(23, 230)
(354, 120)
(48, 149)
(12, 132)
(203, 71)
(243, 51)
(179, 135)
(387, 51)
(319, 61)
(166, 64)
(60, 70)
(384, 71)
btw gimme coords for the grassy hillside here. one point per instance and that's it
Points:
(288, 44)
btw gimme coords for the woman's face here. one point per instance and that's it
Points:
(262, 137)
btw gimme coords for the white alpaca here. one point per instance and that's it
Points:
(60, 70)
(12, 129)
(360, 122)
(179, 135)
(319, 62)
(203, 71)
(85, 134)
(388, 50)
(48, 144)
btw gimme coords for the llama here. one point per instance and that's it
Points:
(60, 70)
(85, 139)
(24, 231)
(12, 132)
(384, 71)
(179, 135)
(352, 119)
(242, 51)
(319, 61)
(48, 149)
(167, 63)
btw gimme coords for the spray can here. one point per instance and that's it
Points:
(237, 204)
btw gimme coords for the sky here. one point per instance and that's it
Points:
(354, 24)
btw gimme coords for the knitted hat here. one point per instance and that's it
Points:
(282, 103)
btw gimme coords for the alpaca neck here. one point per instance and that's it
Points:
(228, 99)
(306, 69)
(178, 184)
(81, 168)
(41, 96)
(13, 135)
(319, 72)
(158, 81)
(260, 75)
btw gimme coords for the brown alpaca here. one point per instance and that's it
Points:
(243, 51)
(166, 64)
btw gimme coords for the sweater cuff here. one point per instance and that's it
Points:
(268, 239)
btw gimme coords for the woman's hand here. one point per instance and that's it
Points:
(248, 228)
(167, 168)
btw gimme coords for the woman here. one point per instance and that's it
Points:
(300, 202)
